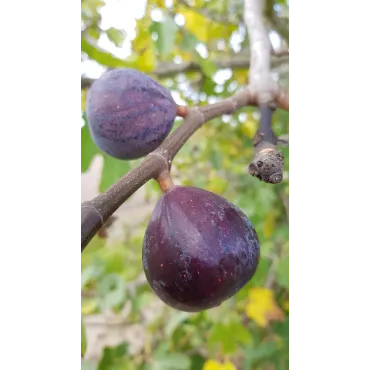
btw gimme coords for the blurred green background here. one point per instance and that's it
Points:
(199, 50)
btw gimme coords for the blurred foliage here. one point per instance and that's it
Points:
(250, 330)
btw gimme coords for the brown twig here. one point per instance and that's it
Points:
(169, 69)
(95, 212)
(262, 91)
(280, 53)
(267, 164)
(282, 99)
(268, 161)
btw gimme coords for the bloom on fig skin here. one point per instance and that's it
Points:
(129, 114)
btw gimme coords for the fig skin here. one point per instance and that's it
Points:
(198, 250)
(129, 114)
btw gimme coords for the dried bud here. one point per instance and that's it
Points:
(267, 165)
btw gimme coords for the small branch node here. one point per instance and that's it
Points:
(91, 206)
(162, 154)
(258, 138)
(199, 113)
(282, 99)
(234, 106)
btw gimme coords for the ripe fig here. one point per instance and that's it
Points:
(198, 250)
(129, 114)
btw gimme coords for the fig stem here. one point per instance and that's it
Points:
(181, 111)
(95, 212)
(165, 181)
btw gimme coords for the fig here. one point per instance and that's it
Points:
(199, 249)
(129, 114)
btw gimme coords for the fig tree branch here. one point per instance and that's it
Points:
(262, 91)
(168, 69)
(95, 212)
(260, 79)
(267, 164)
(268, 161)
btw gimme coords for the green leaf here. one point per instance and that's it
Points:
(197, 362)
(282, 329)
(162, 349)
(115, 36)
(101, 56)
(141, 300)
(218, 335)
(90, 10)
(114, 358)
(175, 320)
(229, 336)
(240, 332)
(189, 41)
(282, 272)
(113, 170)
(96, 244)
(254, 354)
(171, 361)
(88, 366)
(83, 339)
(207, 66)
(112, 291)
(89, 273)
(209, 86)
(94, 33)
(267, 198)
(88, 148)
(166, 32)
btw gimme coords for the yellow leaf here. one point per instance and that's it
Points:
(146, 61)
(83, 100)
(249, 127)
(285, 305)
(143, 37)
(241, 76)
(195, 23)
(187, 57)
(262, 308)
(88, 307)
(269, 224)
(228, 366)
(215, 365)
(217, 185)
(199, 3)
(226, 163)
(160, 3)
(211, 365)
(143, 46)
(233, 151)
(203, 28)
